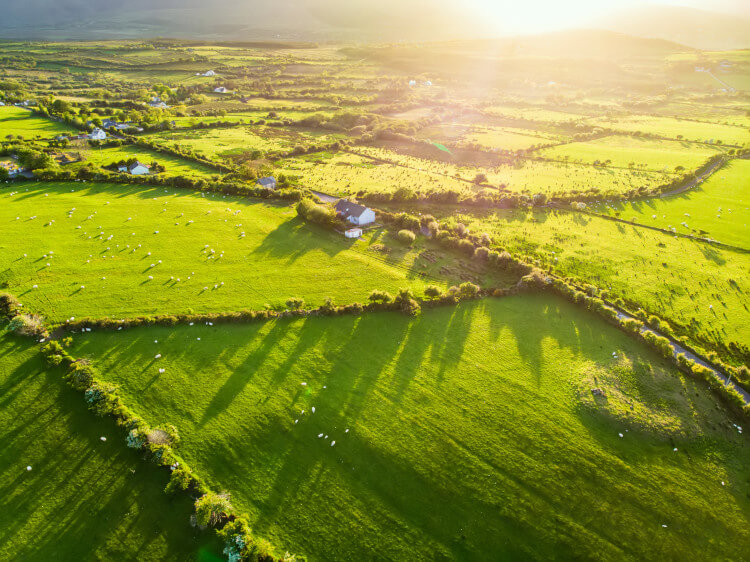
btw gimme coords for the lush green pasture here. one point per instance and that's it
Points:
(640, 153)
(529, 176)
(84, 498)
(344, 173)
(175, 166)
(557, 177)
(469, 433)
(279, 257)
(719, 208)
(677, 278)
(533, 114)
(725, 114)
(22, 122)
(227, 143)
(504, 138)
(672, 128)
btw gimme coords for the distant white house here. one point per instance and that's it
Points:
(428, 83)
(159, 105)
(138, 169)
(269, 182)
(354, 213)
(412, 83)
(98, 134)
(2, 103)
(209, 73)
(353, 233)
(221, 90)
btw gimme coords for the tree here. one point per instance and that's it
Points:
(380, 296)
(211, 508)
(295, 303)
(432, 291)
(480, 178)
(406, 237)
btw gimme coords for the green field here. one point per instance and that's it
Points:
(175, 166)
(345, 173)
(84, 499)
(719, 208)
(678, 279)
(472, 431)
(21, 122)
(528, 176)
(672, 128)
(626, 151)
(227, 143)
(533, 114)
(504, 138)
(280, 256)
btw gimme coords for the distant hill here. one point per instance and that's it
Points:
(576, 44)
(689, 26)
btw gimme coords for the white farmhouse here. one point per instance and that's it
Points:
(138, 169)
(221, 90)
(209, 73)
(354, 213)
(98, 134)
(269, 182)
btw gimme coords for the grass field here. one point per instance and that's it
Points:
(719, 208)
(533, 114)
(22, 122)
(624, 151)
(678, 279)
(175, 166)
(504, 138)
(671, 128)
(280, 256)
(529, 176)
(344, 173)
(84, 499)
(465, 432)
(226, 143)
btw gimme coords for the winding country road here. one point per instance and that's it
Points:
(678, 349)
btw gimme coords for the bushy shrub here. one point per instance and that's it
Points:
(27, 325)
(312, 211)
(468, 290)
(432, 291)
(380, 296)
(9, 305)
(406, 302)
(406, 237)
(295, 303)
(211, 508)
(136, 439)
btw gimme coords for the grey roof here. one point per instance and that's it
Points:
(136, 164)
(270, 180)
(349, 209)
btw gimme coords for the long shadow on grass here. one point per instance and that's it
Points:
(67, 507)
(293, 239)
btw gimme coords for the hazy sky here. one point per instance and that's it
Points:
(530, 16)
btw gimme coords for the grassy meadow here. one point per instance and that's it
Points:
(624, 151)
(193, 248)
(175, 166)
(464, 432)
(718, 208)
(702, 289)
(673, 128)
(18, 121)
(84, 498)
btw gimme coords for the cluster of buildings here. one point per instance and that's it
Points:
(356, 214)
